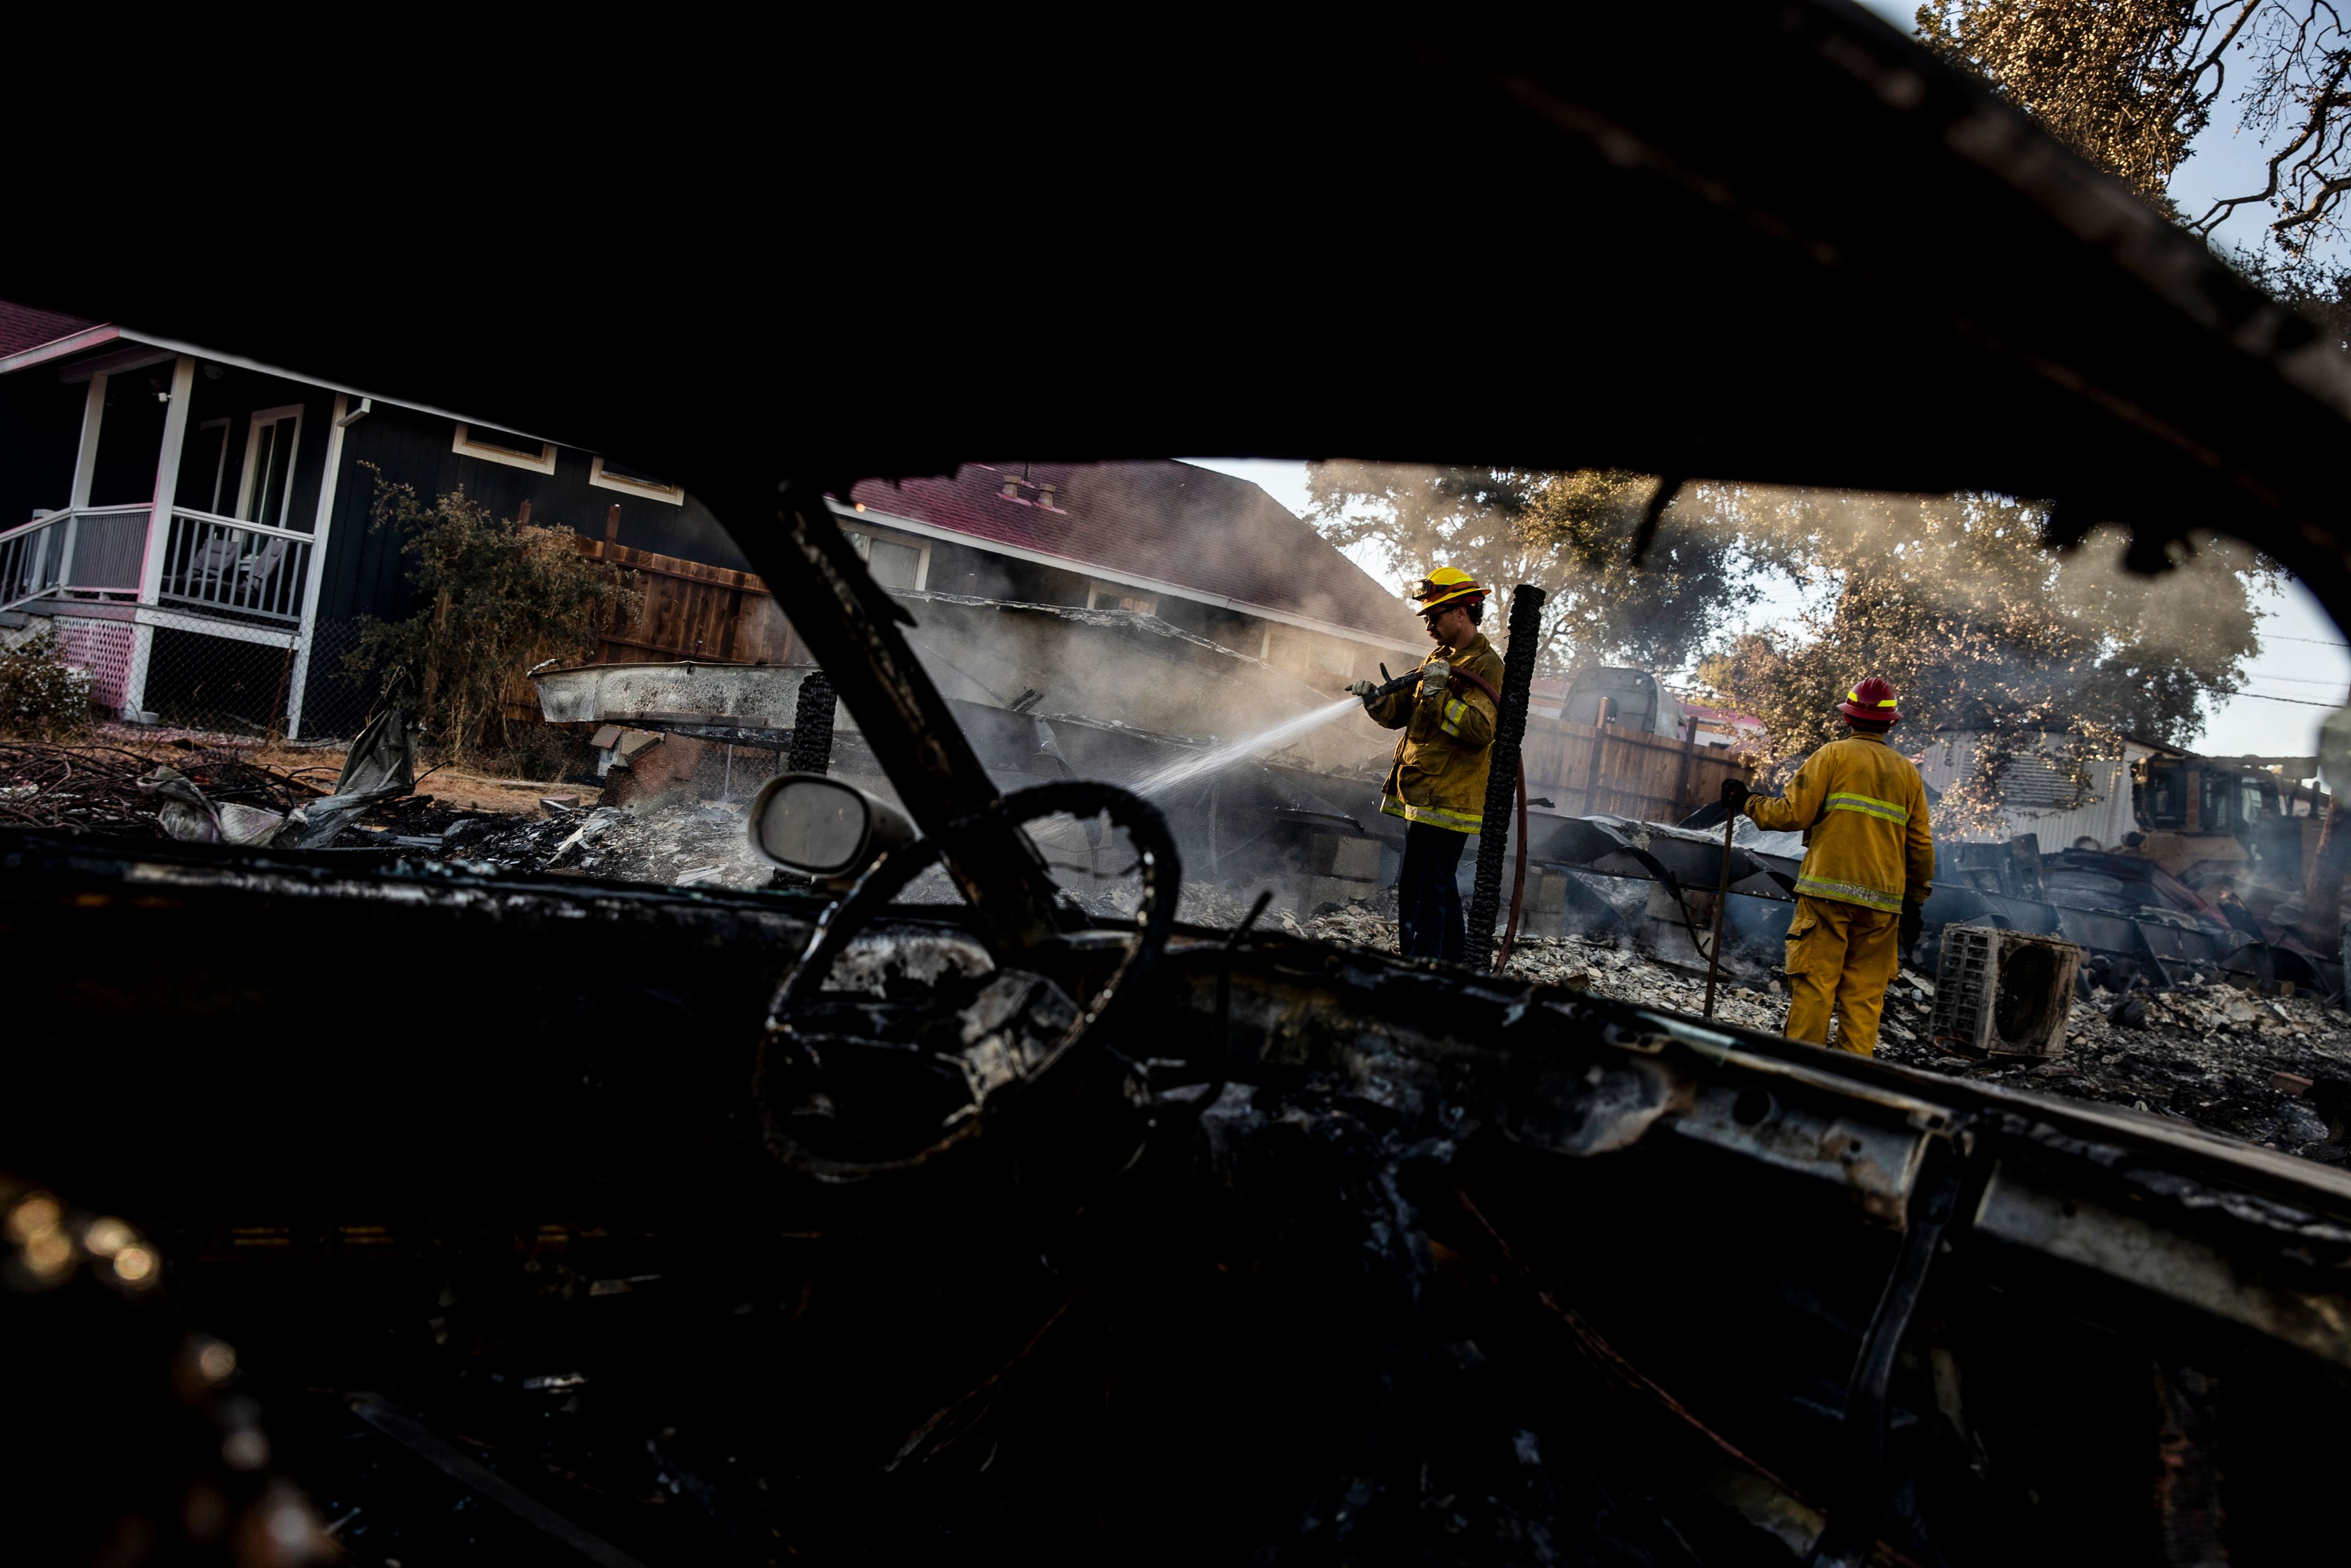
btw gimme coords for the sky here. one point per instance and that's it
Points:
(2304, 658)
(2304, 665)
(2304, 669)
(2227, 160)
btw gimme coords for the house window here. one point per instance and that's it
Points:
(893, 563)
(204, 469)
(1315, 657)
(1112, 596)
(269, 445)
(607, 475)
(493, 445)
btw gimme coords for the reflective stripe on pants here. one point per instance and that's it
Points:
(1841, 957)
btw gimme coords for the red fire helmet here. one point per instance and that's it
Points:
(1872, 699)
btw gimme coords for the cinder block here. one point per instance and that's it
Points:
(1357, 859)
(1546, 892)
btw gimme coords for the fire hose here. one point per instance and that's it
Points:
(1519, 873)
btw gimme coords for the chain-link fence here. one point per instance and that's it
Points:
(340, 689)
(227, 685)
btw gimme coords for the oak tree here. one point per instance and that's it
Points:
(2129, 83)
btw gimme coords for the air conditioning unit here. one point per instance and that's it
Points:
(2003, 993)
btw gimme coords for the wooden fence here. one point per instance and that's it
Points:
(1588, 769)
(689, 611)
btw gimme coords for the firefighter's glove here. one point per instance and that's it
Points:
(1363, 689)
(1434, 677)
(1913, 926)
(1734, 795)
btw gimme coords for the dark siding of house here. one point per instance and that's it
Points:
(40, 431)
(226, 391)
(366, 574)
(959, 569)
(130, 436)
(1231, 628)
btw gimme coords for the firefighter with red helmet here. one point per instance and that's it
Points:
(1869, 863)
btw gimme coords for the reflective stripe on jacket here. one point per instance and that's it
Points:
(1438, 773)
(1863, 811)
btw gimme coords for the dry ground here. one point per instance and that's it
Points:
(456, 789)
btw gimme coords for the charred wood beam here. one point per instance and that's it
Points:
(1502, 779)
(812, 726)
(852, 628)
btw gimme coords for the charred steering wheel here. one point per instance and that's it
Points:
(851, 1087)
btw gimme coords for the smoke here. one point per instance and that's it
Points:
(1190, 770)
(1125, 669)
(1773, 599)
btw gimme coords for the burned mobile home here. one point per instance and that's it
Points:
(553, 1219)
(1128, 621)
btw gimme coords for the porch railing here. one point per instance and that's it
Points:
(86, 553)
(96, 553)
(246, 569)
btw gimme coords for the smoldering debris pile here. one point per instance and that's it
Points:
(680, 841)
(2248, 1066)
(2225, 1059)
(1600, 964)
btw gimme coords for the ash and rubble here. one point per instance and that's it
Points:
(676, 840)
(2206, 1054)
(2203, 1052)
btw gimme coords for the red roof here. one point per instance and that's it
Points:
(22, 327)
(1193, 528)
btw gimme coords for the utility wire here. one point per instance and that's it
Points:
(2265, 697)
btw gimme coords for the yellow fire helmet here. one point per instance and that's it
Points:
(1442, 586)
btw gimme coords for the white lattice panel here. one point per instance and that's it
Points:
(103, 648)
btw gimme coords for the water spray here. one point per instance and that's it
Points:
(1191, 770)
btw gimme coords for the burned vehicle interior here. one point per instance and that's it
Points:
(560, 1220)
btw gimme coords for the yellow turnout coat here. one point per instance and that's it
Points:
(1868, 851)
(1438, 773)
(1861, 809)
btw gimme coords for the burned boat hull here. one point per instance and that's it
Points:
(1316, 835)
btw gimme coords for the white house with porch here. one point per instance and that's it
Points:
(196, 526)
(225, 545)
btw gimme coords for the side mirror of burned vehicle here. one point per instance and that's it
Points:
(821, 827)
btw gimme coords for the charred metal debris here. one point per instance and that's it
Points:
(1365, 1261)
(1020, 1235)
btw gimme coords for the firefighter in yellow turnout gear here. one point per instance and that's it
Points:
(1436, 781)
(1869, 863)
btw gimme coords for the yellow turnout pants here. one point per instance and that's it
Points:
(1840, 956)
